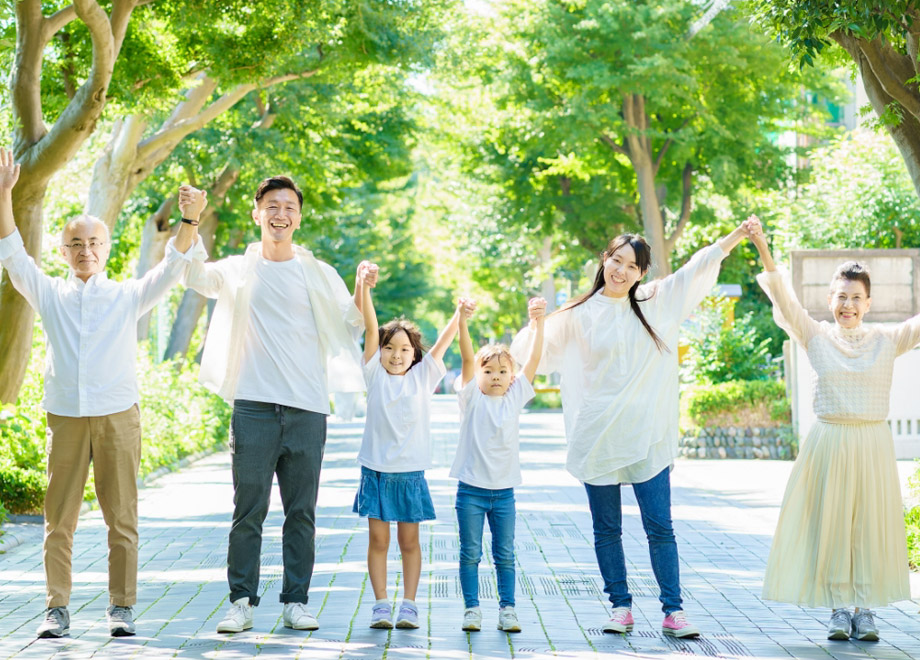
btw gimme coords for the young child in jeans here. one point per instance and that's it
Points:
(487, 463)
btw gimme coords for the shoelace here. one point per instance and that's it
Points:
(840, 618)
(679, 617)
(55, 615)
(120, 613)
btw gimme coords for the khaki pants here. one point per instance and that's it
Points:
(113, 444)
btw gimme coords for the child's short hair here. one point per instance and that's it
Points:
(387, 330)
(854, 271)
(490, 351)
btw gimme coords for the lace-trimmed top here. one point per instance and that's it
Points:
(853, 366)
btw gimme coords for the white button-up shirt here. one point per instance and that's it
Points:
(90, 329)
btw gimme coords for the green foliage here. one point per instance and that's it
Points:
(547, 400)
(704, 402)
(912, 522)
(548, 95)
(22, 490)
(858, 195)
(178, 418)
(809, 27)
(719, 352)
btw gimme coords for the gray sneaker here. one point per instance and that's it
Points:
(55, 624)
(839, 626)
(864, 628)
(121, 620)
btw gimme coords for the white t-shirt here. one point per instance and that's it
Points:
(282, 359)
(488, 453)
(396, 430)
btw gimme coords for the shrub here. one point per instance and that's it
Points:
(912, 522)
(546, 401)
(178, 418)
(740, 402)
(719, 352)
(22, 490)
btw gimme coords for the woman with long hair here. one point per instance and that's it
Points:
(615, 348)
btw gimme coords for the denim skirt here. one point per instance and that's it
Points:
(394, 496)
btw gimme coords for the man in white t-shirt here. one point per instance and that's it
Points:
(283, 323)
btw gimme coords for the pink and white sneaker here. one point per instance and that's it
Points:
(621, 621)
(676, 625)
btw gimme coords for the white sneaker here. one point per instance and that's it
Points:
(298, 617)
(472, 619)
(238, 617)
(507, 620)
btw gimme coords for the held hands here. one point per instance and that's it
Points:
(754, 230)
(465, 308)
(536, 309)
(9, 170)
(192, 202)
(368, 272)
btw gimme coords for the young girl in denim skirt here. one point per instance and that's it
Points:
(395, 450)
(488, 466)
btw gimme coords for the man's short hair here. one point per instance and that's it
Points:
(276, 183)
(80, 219)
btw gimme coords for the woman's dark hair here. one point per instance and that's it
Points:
(643, 261)
(388, 330)
(855, 271)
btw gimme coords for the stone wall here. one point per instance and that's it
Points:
(739, 442)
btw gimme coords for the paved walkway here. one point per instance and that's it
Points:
(724, 516)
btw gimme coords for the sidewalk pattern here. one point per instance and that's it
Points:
(724, 514)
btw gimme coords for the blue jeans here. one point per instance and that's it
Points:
(474, 505)
(654, 497)
(268, 439)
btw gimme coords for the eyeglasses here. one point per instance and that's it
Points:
(92, 245)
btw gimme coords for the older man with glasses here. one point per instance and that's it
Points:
(91, 394)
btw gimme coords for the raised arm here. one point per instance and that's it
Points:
(754, 230)
(788, 312)
(448, 333)
(730, 241)
(9, 175)
(536, 310)
(363, 285)
(191, 203)
(467, 355)
(366, 275)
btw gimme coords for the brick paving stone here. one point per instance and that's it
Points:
(724, 514)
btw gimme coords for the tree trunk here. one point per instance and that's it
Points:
(652, 221)
(18, 316)
(638, 148)
(906, 133)
(886, 88)
(193, 304)
(180, 337)
(157, 232)
(116, 173)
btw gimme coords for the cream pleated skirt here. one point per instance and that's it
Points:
(840, 539)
